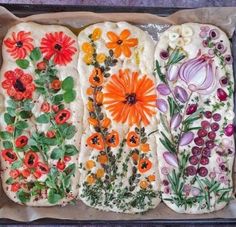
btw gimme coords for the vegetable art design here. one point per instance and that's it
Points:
(38, 155)
(196, 131)
(126, 98)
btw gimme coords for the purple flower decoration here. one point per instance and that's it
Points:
(162, 105)
(181, 94)
(170, 158)
(163, 89)
(186, 138)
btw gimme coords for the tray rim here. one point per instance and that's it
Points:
(23, 10)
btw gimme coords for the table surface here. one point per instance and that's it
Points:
(128, 3)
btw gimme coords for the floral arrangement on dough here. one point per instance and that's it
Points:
(193, 96)
(39, 162)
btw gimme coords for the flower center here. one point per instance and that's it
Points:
(57, 47)
(95, 140)
(63, 115)
(19, 44)
(119, 42)
(144, 165)
(19, 86)
(131, 99)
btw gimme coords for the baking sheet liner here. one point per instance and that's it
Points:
(224, 18)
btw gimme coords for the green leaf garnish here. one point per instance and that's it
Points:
(69, 96)
(68, 83)
(22, 63)
(35, 55)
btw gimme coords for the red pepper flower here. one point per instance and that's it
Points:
(21, 141)
(25, 173)
(56, 84)
(9, 155)
(61, 165)
(37, 173)
(31, 159)
(51, 134)
(18, 85)
(19, 45)
(15, 187)
(14, 173)
(59, 46)
(10, 128)
(62, 116)
(43, 168)
(45, 107)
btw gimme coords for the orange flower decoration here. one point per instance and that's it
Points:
(129, 98)
(96, 141)
(121, 44)
(96, 77)
(19, 45)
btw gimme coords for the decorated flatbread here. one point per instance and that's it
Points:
(40, 124)
(195, 101)
(118, 161)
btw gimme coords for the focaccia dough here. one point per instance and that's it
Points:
(40, 168)
(118, 91)
(195, 100)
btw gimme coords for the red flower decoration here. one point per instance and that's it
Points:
(21, 141)
(62, 116)
(19, 45)
(31, 159)
(9, 155)
(18, 84)
(59, 46)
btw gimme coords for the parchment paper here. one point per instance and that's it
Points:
(224, 18)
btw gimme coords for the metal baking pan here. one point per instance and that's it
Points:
(23, 10)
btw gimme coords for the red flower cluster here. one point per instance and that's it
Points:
(59, 46)
(19, 45)
(18, 84)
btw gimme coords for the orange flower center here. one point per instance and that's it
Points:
(95, 140)
(57, 47)
(19, 44)
(119, 42)
(130, 99)
(19, 86)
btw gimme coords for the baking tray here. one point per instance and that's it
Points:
(23, 10)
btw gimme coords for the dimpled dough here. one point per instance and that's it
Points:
(195, 101)
(118, 163)
(40, 125)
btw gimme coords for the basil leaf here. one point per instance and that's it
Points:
(11, 111)
(22, 63)
(16, 165)
(68, 83)
(23, 196)
(71, 150)
(21, 125)
(12, 103)
(69, 96)
(35, 55)
(49, 141)
(43, 118)
(28, 105)
(9, 181)
(57, 153)
(8, 119)
(57, 99)
(7, 144)
(53, 196)
(69, 132)
(5, 135)
(25, 114)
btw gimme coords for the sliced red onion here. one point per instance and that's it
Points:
(163, 89)
(172, 73)
(170, 158)
(186, 138)
(162, 105)
(175, 121)
(198, 74)
(181, 94)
